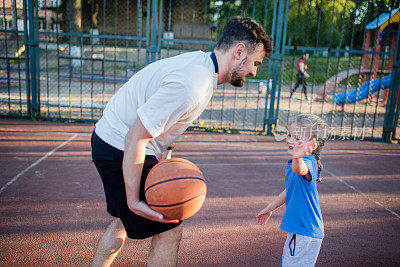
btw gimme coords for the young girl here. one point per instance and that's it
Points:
(302, 219)
(301, 76)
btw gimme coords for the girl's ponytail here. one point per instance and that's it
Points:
(316, 154)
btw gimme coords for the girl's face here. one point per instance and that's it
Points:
(297, 134)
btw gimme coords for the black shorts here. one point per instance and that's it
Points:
(108, 161)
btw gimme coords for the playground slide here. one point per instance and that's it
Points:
(333, 81)
(363, 91)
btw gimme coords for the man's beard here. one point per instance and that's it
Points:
(237, 80)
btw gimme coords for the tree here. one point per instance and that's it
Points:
(319, 23)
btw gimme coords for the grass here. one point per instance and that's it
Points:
(320, 69)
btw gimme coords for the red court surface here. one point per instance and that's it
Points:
(52, 210)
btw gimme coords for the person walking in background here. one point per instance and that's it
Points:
(301, 77)
(145, 116)
(302, 219)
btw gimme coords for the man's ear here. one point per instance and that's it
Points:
(239, 51)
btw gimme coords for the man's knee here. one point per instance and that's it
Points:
(172, 236)
(116, 227)
(114, 237)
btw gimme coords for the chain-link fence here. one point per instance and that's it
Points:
(65, 59)
(349, 44)
(85, 51)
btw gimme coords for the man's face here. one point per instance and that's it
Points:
(247, 66)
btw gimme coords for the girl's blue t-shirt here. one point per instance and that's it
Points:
(303, 214)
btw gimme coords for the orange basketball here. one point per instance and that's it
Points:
(175, 188)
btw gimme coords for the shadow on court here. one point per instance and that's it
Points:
(52, 209)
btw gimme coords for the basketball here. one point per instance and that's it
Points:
(176, 188)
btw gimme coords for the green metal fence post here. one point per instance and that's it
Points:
(269, 64)
(26, 40)
(139, 24)
(34, 61)
(392, 107)
(153, 49)
(282, 64)
(277, 59)
(160, 28)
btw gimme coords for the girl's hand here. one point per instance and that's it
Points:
(302, 149)
(263, 216)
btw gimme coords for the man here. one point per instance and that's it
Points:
(145, 116)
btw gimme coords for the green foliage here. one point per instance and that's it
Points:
(222, 11)
(315, 23)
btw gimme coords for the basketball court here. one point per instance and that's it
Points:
(52, 210)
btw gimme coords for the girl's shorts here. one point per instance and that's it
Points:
(108, 161)
(300, 250)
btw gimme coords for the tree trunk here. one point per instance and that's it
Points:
(14, 14)
(73, 21)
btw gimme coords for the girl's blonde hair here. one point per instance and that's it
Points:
(317, 129)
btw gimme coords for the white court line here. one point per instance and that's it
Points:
(332, 174)
(12, 130)
(235, 145)
(283, 149)
(344, 182)
(364, 195)
(362, 152)
(15, 178)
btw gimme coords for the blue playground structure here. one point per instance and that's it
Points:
(363, 91)
(385, 23)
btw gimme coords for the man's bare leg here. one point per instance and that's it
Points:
(164, 248)
(110, 244)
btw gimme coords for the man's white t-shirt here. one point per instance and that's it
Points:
(167, 95)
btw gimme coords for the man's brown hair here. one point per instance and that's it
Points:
(247, 30)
